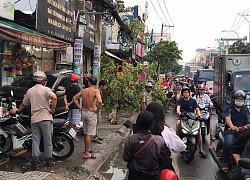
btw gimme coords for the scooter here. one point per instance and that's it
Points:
(217, 153)
(190, 127)
(16, 136)
(205, 121)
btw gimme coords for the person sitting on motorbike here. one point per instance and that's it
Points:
(188, 104)
(191, 85)
(175, 89)
(201, 97)
(164, 82)
(236, 115)
(241, 149)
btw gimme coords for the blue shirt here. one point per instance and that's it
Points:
(187, 106)
(238, 118)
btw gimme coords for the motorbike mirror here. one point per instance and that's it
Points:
(11, 93)
(244, 163)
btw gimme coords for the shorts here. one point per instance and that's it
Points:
(89, 119)
(74, 116)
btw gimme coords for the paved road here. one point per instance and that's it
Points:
(199, 168)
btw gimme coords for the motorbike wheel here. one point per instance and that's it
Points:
(188, 155)
(63, 146)
(203, 134)
(6, 144)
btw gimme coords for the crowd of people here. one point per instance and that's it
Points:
(148, 150)
(147, 160)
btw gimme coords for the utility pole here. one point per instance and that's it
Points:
(248, 20)
(162, 26)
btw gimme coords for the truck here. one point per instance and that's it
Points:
(231, 73)
(206, 75)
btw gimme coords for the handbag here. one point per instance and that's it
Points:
(144, 146)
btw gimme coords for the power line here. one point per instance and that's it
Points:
(167, 11)
(156, 11)
(162, 11)
(239, 26)
(233, 26)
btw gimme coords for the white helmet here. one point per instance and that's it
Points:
(39, 76)
(149, 84)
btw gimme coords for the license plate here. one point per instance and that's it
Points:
(72, 132)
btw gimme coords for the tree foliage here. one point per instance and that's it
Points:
(177, 68)
(126, 88)
(165, 54)
(239, 48)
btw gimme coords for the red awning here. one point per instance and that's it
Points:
(12, 32)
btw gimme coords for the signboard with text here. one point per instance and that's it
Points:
(55, 18)
(78, 47)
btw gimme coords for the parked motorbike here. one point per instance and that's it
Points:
(217, 153)
(15, 134)
(190, 127)
(205, 121)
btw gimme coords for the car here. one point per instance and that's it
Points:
(58, 80)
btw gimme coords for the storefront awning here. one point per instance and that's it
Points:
(112, 55)
(13, 32)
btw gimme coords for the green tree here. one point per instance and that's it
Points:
(165, 54)
(239, 48)
(125, 90)
(177, 68)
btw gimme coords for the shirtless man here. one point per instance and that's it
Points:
(91, 104)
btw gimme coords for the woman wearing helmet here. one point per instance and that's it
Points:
(74, 114)
(236, 115)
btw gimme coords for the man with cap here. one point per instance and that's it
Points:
(147, 95)
(38, 98)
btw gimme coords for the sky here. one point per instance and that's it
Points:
(198, 23)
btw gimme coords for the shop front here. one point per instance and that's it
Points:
(24, 51)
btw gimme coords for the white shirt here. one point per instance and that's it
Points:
(206, 99)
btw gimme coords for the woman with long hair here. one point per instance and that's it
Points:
(173, 142)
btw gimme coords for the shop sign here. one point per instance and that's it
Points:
(7, 9)
(78, 47)
(55, 18)
(47, 65)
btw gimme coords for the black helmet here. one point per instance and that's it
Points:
(185, 89)
(239, 93)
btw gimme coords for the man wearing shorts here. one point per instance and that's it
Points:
(91, 104)
(74, 114)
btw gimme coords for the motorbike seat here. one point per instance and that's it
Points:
(59, 122)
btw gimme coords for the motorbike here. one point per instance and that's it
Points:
(217, 153)
(189, 128)
(205, 121)
(16, 136)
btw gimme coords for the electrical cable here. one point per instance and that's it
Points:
(231, 28)
(162, 12)
(156, 11)
(239, 26)
(168, 12)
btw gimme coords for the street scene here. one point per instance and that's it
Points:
(124, 90)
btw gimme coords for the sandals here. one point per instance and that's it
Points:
(203, 155)
(90, 157)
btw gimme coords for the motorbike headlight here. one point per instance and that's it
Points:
(184, 131)
(195, 132)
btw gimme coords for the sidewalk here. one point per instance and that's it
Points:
(75, 167)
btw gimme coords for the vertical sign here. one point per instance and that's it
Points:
(78, 47)
(96, 63)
